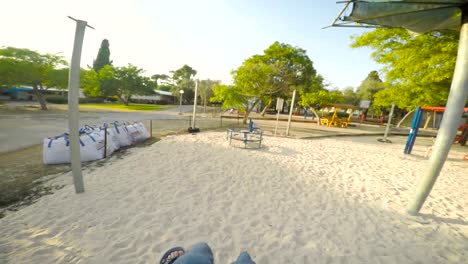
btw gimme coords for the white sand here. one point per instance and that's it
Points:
(294, 201)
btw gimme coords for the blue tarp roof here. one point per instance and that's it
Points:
(19, 89)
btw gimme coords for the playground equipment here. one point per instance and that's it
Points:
(334, 119)
(422, 17)
(253, 135)
(416, 123)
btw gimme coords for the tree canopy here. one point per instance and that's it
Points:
(418, 68)
(181, 79)
(121, 82)
(103, 56)
(205, 91)
(349, 96)
(275, 73)
(370, 86)
(28, 67)
(321, 97)
(229, 95)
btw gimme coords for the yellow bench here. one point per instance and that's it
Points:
(330, 121)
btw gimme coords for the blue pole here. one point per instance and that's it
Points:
(416, 130)
(412, 131)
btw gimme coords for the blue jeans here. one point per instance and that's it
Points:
(201, 254)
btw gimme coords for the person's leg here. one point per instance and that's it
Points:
(199, 254)
(244, 258)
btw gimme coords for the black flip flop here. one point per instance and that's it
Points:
(164, 259)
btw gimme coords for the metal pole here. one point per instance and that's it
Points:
(290, 113)
(180, 107)
(413, 131)
(388, 124)
(195, 104)
(416, 130)
(277, 120)
(105, 140)
(450, 121)
(151, 128)
(73, 107)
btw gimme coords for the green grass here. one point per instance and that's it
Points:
(130, 107)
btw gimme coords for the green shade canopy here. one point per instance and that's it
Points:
(417, 16)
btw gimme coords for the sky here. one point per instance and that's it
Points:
(212, 36)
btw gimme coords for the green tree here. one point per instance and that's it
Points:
(418, 68)
(90, 83)
(254, 79)
(370, 86)
(230, 96)
(350, 97)
(183, 80)
(163, 78)
(27, 67)
(124, 82)
(205, 91)
(184, 73)
(58, 78)
(275, 73)
(320, 98)
(293, 69)
(103, 56)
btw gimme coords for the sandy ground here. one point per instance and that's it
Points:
(293, 201)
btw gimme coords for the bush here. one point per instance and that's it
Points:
(56, 99)
(342, 115)
(112, 99)
(91, 100)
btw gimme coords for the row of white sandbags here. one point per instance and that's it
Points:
(93, 142)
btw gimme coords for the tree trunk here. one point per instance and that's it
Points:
(266, 107)
(40, 97)
(248, 111)
(123, 99)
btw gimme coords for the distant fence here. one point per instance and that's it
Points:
(162, 127)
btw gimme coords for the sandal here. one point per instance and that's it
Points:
(166, 257)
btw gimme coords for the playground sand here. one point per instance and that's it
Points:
(293, 201)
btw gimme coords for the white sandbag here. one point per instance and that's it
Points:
(112, 140)
(56, 150)
(94, 143)
(138, 132)
(134, 133)
(142, 128)
(91, 146)
(88, 129)
(121, 135)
